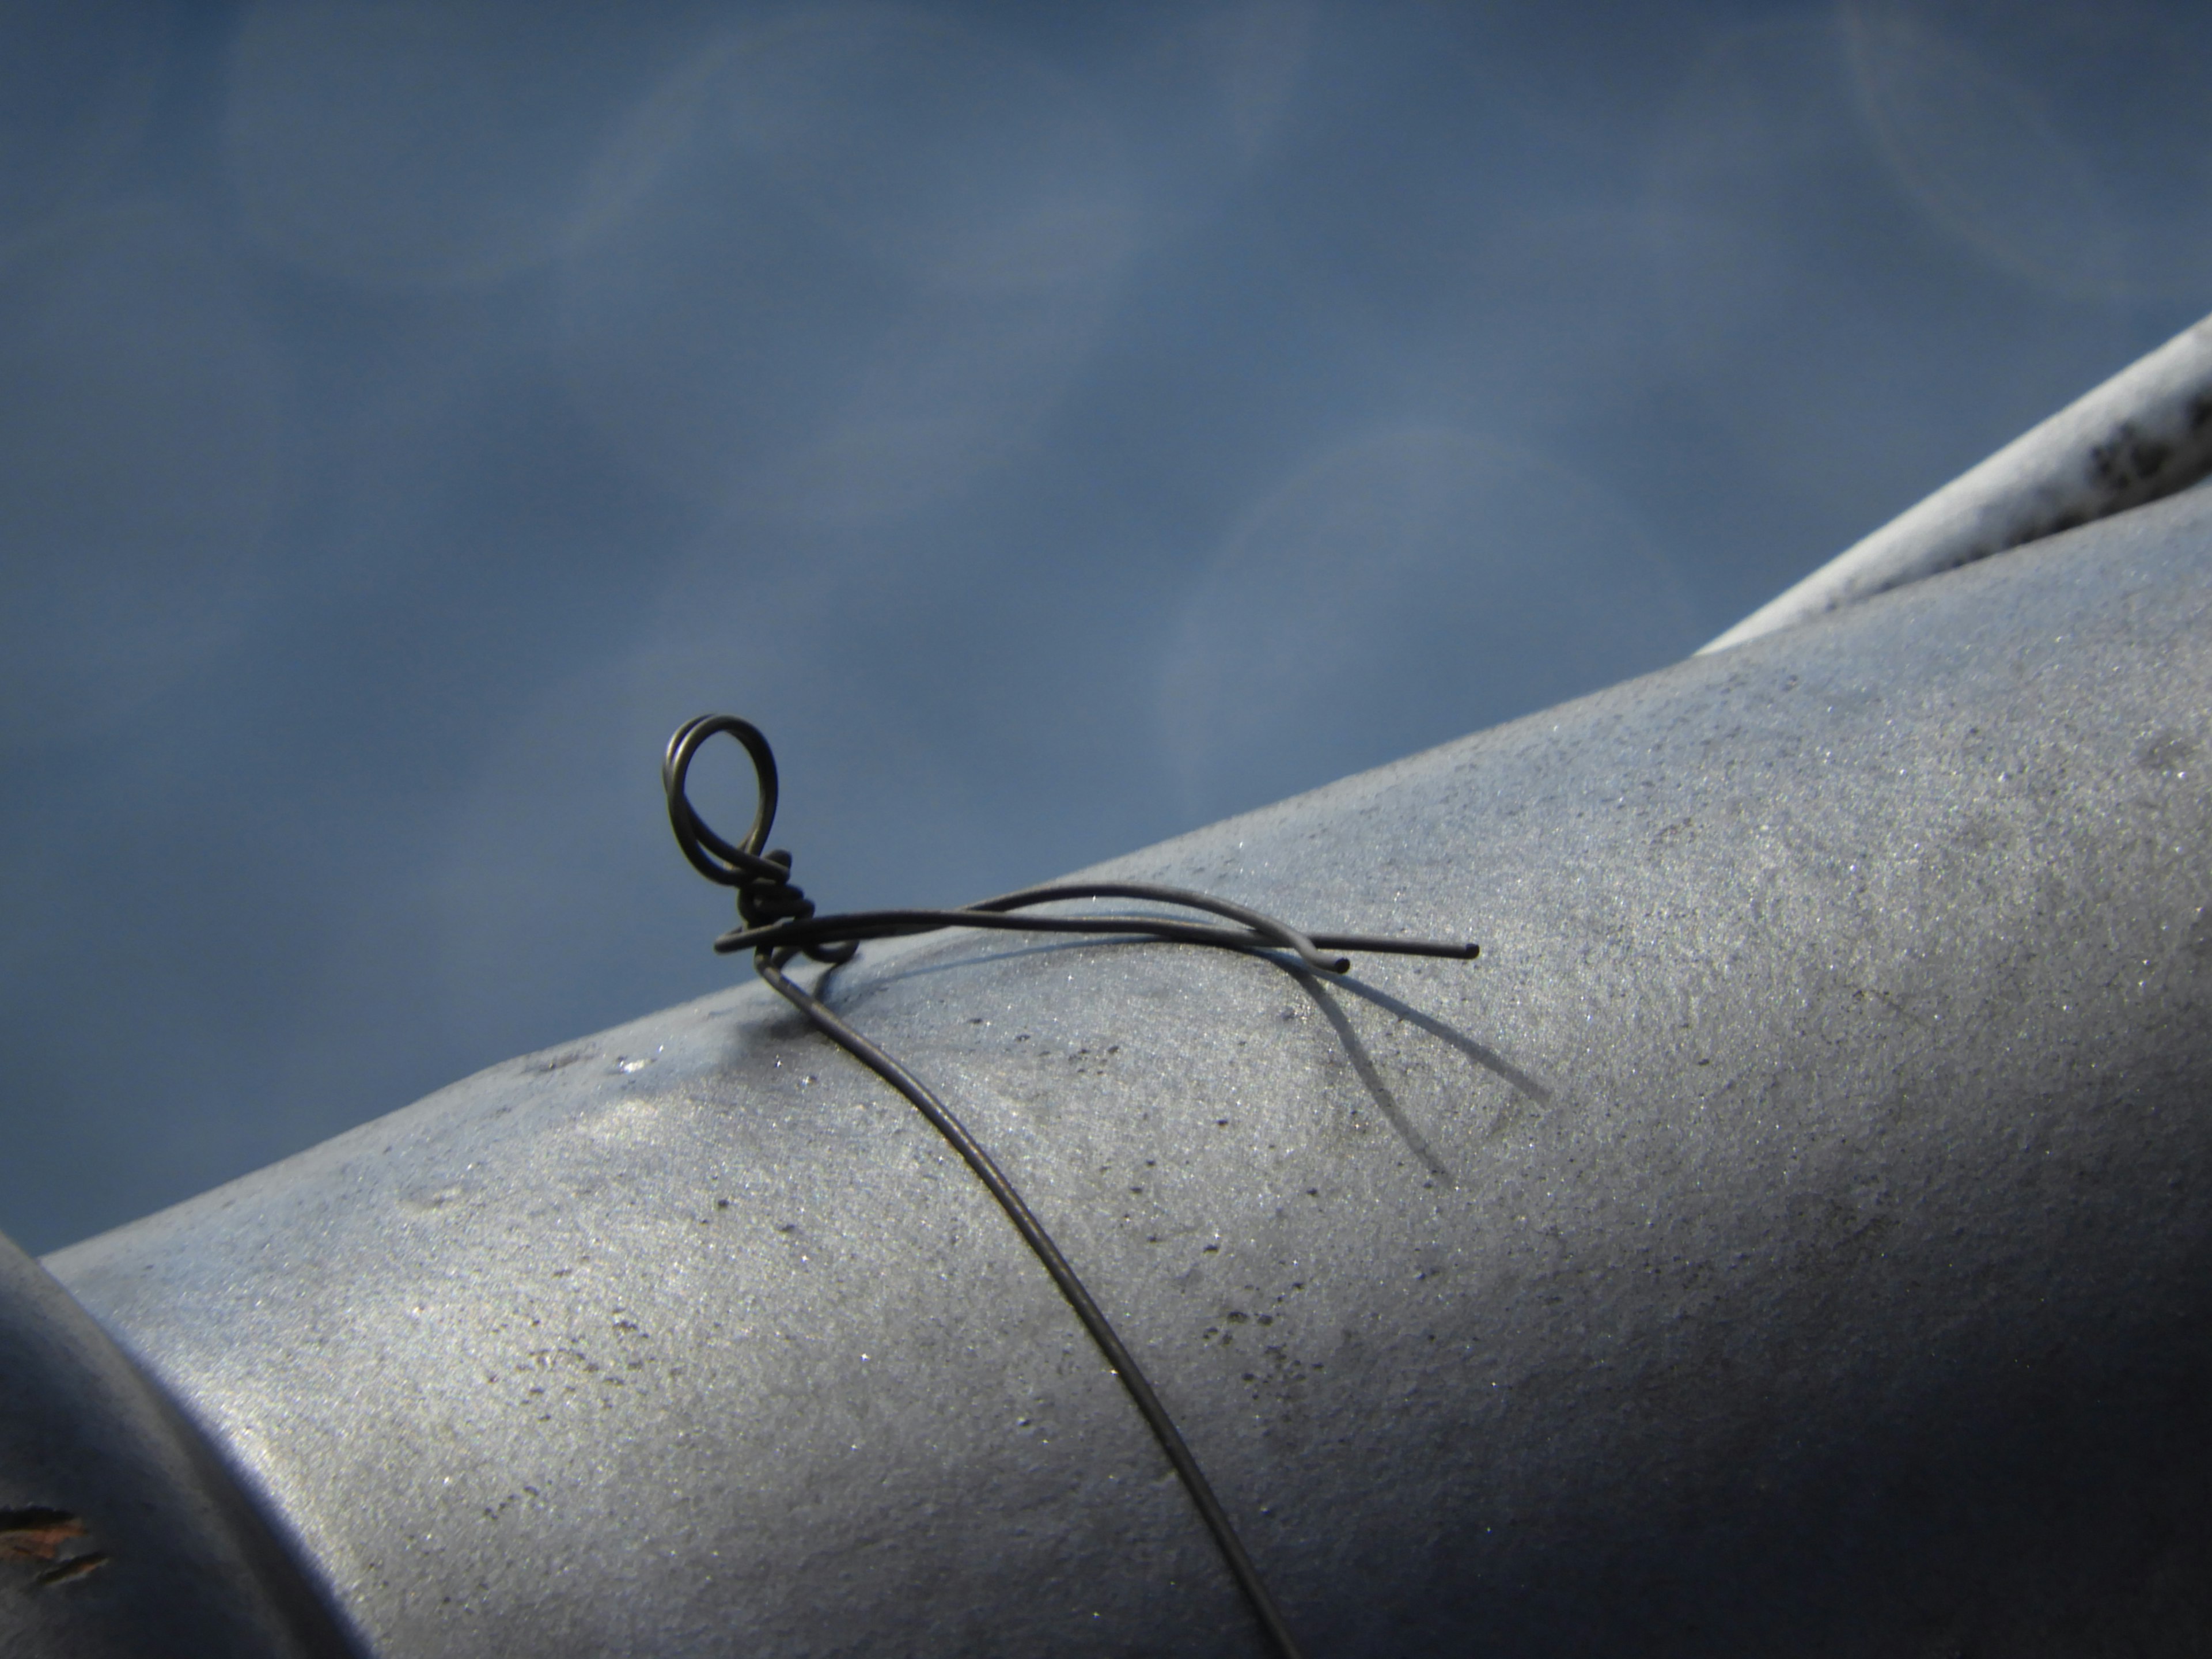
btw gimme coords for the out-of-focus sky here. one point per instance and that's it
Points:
(1058, 426)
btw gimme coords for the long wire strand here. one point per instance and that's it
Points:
(778, 924)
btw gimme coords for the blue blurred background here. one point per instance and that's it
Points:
(1058, 426)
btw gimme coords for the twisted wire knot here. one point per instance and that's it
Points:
(764, 900)
(767, 898)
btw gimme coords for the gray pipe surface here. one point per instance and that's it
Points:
(2142, 436)
(121, 1535)
(1795, 1235)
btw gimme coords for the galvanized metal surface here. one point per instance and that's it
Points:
(1793, 1236)
(120, 1534)
(2142, 435)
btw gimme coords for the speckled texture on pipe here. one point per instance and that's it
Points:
(1795, 1235)
(2143, 435)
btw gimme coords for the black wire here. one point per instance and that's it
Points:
(779, 925)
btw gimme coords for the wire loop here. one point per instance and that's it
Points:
(767, 898)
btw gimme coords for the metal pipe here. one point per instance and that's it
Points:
(2145, 434)
(1795, 1235)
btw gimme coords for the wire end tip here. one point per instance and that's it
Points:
(1341, 965)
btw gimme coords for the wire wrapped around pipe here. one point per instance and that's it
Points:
(780, 924)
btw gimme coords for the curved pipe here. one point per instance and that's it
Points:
(121, 1533)
(1793, 1236)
